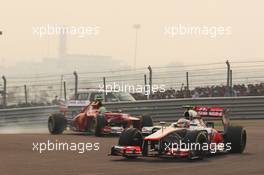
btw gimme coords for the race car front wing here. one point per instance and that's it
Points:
(126, 151)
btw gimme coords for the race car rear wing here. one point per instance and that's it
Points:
(214, 112)
(210, 111)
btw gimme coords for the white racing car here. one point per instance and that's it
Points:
(189, 137)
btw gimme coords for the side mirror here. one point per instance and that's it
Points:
(162, 125)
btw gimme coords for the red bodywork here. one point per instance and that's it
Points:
(87, 117)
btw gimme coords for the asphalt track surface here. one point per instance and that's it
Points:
(18, 158)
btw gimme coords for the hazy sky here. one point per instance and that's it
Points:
(117, 36)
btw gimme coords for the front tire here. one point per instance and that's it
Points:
(100, 124)
(131, 137)
(198, 138)
(57, 123)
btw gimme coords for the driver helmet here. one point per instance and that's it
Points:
(190, 114)
(98, 98)
(183, 123)
(193, 114)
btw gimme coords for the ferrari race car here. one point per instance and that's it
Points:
(190, 137)
(92, 120)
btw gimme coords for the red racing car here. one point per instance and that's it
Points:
(92, 120)
(190, 137)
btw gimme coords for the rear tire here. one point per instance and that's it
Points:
(237, 136)
(57, 123)
(136, 124)
(146, 120)
(100, 124)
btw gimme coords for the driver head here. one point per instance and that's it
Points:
(193, 113)
(190, 114)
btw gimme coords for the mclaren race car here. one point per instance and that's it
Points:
(190, 137)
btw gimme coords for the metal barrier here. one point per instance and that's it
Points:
(160, 110)
(170, 110)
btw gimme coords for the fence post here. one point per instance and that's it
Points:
(104, 82)
(65, 90)
(228, 79)
(150, 81)
(187, 85)
(4, 92)
(76, 85)
(145, 83)
(61, 86)
(26, 94)
(231, 82)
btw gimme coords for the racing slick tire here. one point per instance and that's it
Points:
(91, 125)
(131, 137)
(197, 137)
(100, 124)
(57, 123)
(237, 136)
(146, 120)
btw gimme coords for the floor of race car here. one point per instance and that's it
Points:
(17, 157)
